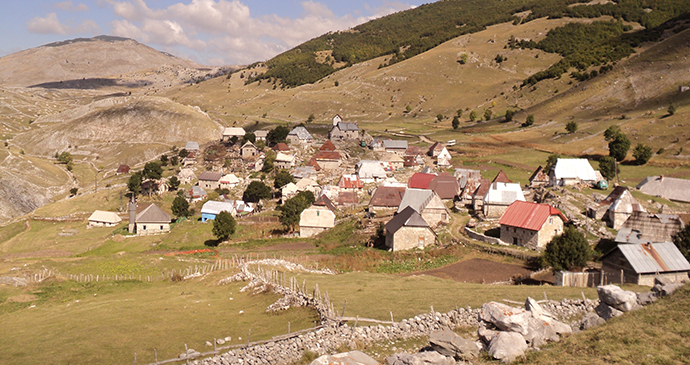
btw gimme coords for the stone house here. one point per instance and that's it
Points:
(281, 147)
(229, 181)
(443, 158)
(284, 161)
(288, 191)
(192, 147)
(571, 171)
(445, 186)
(261, 135)
(327, 146)
(640, 263)
(499, 196)
(386, 199)
(308, 184)
(370, 171)
(408, 230)
(643, 227)
(428, 204)
(102, 218)
(392, 161)
(195, 194)
(212, 208)
(616, 208)
(344, 131)
(147, 220)
(539, 178)
(230, 132)
(666, 187)
(483, 187)
(299, 136)
(395, 146)
(210, 180)
(531, 225)
(328, 160)
(319, 217)
(337, 119)
(435, 149)
(249, 151)
(468, 182)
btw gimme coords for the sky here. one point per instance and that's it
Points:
(210, 32)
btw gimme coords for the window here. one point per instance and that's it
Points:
(161, 228)
(551, 220)
(420, 241)
(143, 227)
(516, 241)
(318, 212)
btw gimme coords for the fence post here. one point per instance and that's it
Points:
(155, 354)
(135, 358)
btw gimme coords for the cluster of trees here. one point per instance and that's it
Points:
(291, 210)
(65, 158)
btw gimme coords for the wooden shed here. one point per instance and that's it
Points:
(640, 263)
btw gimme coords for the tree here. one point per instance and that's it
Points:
(256, 191)
(642, 153)
(619, 144)
(529, 121)
(682, 241)
(183, 153)
(292, 209)
(152, 170)
(283, 177)
(509, 115)
(567, 251)
(310, 118)
(277, 134)
(174, 160)
(173, 183)
(134, 183)
(439, 117)
(268, 162)
(671, 109)
(65, 158)
(551, 161)
(458, 113)
(456, 122)
(251, 137)
(180, 207)
(473, 116)
(223, 225)
(164, 160)
(571, 127)
(487, 114)
(608, 167)
(73, 191)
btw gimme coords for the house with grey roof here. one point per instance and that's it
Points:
(643, 227)
(210, 180)
(299, 135)
(408, 230)
(319, 217)
(640, 263)
(344, 131)
(370, 171)
(212, 208)
(147, 220)
(395, 146)
(230, 132)
(428, 204)
(666, 187)
(616, 208)
(192, 147)
(261, 135)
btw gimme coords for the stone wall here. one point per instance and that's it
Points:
(480, 237)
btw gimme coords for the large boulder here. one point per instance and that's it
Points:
(422, 358)
(505, 317)
(537, 311)
(540, 332)
(448, 343)
(647, 298)
(507, 346)
(591, 320)
(663, 290)
(346, 358)
(618, 298)
(606, 311)
(486, 335)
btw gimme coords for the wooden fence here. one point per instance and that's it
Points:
(578, 279)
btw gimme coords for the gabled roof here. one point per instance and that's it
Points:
(666, 187)
(409, 161)
(347, 198)
(197, 191)
(229, 179)
(191, 146)
(281, 147)
(420, 180)
(387, 196)
(123, 169)
(210, 176)
(350, 182)
(249, 144)
(306, 182)
(646, 258)
(480, 192)
(501, 177)
(105, 216)
(327, 146)
(407, 218)
(233, 132)
(215, 207)
(347, 126)
(284, 157)
(503, 193)
(391, 158)
(413, 151)
(529, 215)
(643, 227)
(445, 186)
(438, 146)
(574, 168)
(368, 169)
(395, 144)
(418, 199)
(260, 133)
(152, 214)
(622, 201)
(327, 156)
(301, 133)
(539, 175)
(324, 201)
(312, 162)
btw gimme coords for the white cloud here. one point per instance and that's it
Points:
(69, 6)
(50, 24)
(226, 29)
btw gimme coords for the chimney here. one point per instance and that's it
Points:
(132, 214)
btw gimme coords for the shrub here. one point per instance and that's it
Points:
(567, 251)
(571, 127)
(642, 153)
(223, 225)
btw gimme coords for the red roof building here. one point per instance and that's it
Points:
(123, 169)
(314, 164)
(420, 180)
(281, 147)
(327, 146)
(530, 224)
(350, 182)
(501, 177)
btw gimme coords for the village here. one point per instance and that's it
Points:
(406, 194)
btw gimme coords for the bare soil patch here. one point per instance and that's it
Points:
(478, 271)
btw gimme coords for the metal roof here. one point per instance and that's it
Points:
(505, 193)
(327, 146)
(345, 126)
(327, 155)
(574, 168)
(301, 133)
(654, 257)
(445, 186)
(666, 187)
(415, 198)
(350, 181)
(528, 215)
(191, 146)
(394, 144)
(152, 214)
(284, 157)
(419, 180)
(387, 196)
(215, 207)
(367, 169)
(105, 216)
(210, 176)
(229, 179)
(407, 218)
(234, 132)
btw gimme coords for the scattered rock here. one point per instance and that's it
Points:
(662, 280)
(346, 358)
(646, 298)
(505, 317)
(618, 298)
(448, 343)
(665, 290)
(540, 332)
(486, 334)
(422, 358)
(537, 311)
(606, 311)
(507, 346)
(591, 320)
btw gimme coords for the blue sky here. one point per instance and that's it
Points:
(211, 32)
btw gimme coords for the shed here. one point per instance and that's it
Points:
(570, 171)
(639, 263)
(531, 225)
(666, 187)
(539, 178)
(212, 208)
(643, 227)
(408, 230)
(102, 218)
(230, 132)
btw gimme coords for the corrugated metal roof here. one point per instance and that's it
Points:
(445, 186)
(501, 177)
(215, 207)
(346, 126)
(284, 157)
(387, 196)
(327, 155)
(229, 179)
(281, 147)
(528, 215)
(301, 133)
(152, 214)
(350, 181)
(666, 187)
(504, 193)
(394, 144)
(574, 168)
(210, 176)
(191, 146)
(327, 146)
(415, 198)
(420, 181)
(407, 218)
(654, 257)
(234, 132)
(105, 216)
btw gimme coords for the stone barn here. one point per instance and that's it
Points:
(317, 218)
(640, 263)
(408, 230)
(531, 225)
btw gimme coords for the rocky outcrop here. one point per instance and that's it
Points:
(507, 346)
(623, 300)
(448, 343)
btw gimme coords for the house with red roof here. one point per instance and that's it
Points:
(328, 159)
(531, 225)
(350, 182)
(420, 180)
(327, 146)
(281, 147)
